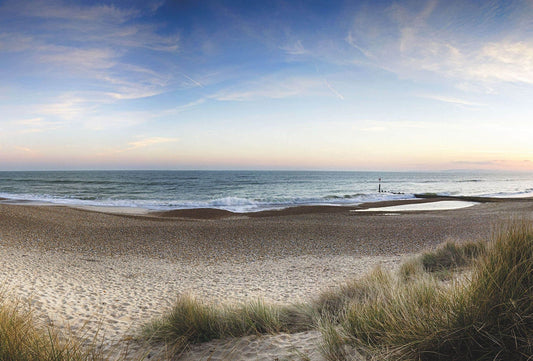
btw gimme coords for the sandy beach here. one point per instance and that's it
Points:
(95, 271)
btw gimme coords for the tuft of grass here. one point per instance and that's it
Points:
(452, 255)
(411, 269)
(22, 340)
(444, 260)
(332, 304)
(192, 321)
(499, 317)
(333, 346)
(489, 317)
(400, 318)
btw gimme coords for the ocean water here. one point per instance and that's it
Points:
(249, 191)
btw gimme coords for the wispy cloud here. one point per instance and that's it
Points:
(295, 48)
(523, 164)
(15, 42)
(333, 90)
(350, 40)
(390, 125)
(69, 106)
(82, 110)
(58, 10)
(185, 107)
(277, 87)
(451, 100)
(147, 142)
(25, 149)
(98, 44)
(504, 61)
(37, 125)
(87, 60)
(408, 40)
(192, 81)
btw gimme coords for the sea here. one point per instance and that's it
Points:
(249, 191)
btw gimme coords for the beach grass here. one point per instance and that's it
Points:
(193, 321)
(488, 316)
(21, 339)
(331, 304)
(445, 260)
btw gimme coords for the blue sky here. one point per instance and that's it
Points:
(375, 85)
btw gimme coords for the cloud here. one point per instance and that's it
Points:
(185, 107)
(86, 23)
(279, 87)
(37, 125)
(504, 61)
(368, 125)
(333, 90)
(97, 44)
(79, 59)
(104, 66)
(31, 122)
(95, 111)
(68, 106)
(25, 149)
(270, 89)
(451, 100)
(60, 10)
(192, 81)
(412, 38)
(14, 42)
(295, 48)
(350, 40)
(147, 142)
(512, 164)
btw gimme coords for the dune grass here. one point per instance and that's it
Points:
(445, 260)
(452, 255)
(22, 340)
(488, 317)
(192, 321)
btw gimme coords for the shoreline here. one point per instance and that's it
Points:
(217, 213)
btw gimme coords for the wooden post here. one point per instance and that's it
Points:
(379, 186)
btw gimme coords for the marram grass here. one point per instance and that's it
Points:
(193, 321)
(22, 340)
(488, 317)
(444, 261)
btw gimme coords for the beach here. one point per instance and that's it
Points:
(103, 274)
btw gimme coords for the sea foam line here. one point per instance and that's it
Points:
(234, 204)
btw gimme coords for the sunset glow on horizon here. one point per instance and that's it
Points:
(321, 85)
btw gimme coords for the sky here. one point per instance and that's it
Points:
(316, 85)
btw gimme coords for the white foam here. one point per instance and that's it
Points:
(430, 206)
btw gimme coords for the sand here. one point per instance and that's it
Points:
(110, 273)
